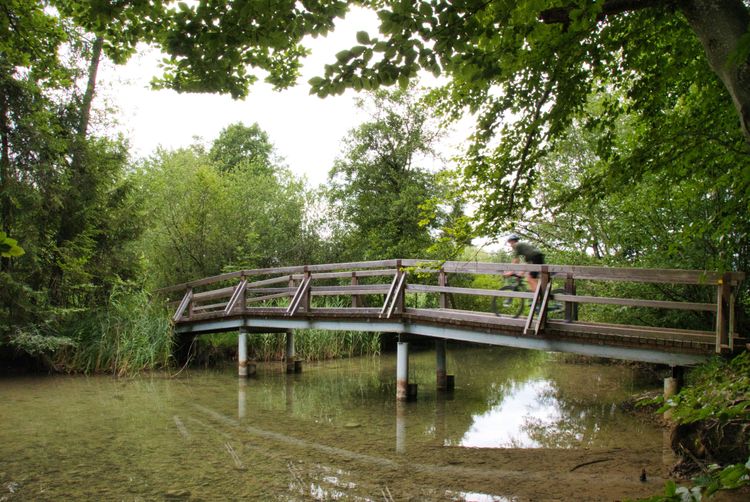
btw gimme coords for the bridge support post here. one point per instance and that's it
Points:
(292, 366)
(673, 384)
(440, 370)
(242, 353)
(402, 371)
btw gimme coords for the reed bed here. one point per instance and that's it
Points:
(130, 335)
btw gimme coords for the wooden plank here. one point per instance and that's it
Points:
(398, 294)
(673, 276)
(390, 293)
(269, 282)
(442, 282)
(451, 316)
(534, 302)
(719, 318)
(214, 293)
(543, 308)
(183, 305)
(425, 288)
(298, 298)
(635, 302)
(627, 330)
(287, 290)
(352, 265)
(360, 290)
(262, 298)
(358, 273)
(238, 293)
(213, 306)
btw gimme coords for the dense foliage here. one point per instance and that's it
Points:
(606, 132)
(225, 209)
(385, 175)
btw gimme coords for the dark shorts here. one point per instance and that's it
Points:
(536, 259)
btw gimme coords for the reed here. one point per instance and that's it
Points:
(131, 334)
(310, 345)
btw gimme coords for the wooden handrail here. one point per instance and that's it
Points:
(673, 276)
(208, 302)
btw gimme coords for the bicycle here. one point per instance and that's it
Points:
(515, 306)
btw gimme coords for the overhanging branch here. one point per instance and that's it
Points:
(561, 15)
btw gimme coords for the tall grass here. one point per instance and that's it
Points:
(309, 344)
(131, 334)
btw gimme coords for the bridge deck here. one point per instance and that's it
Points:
(208, 305)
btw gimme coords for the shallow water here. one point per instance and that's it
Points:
(333, 432)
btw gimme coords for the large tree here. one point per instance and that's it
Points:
(384, 177)
(525, 68)
(528, 68)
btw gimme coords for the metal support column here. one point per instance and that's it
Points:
(242, 353)
(290, 367)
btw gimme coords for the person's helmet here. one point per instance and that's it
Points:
(513, 237)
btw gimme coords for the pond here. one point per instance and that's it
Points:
(520, 425)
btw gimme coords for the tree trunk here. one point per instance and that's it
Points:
(719, 24)
(88, 96)
(77, 196)
(6, 205)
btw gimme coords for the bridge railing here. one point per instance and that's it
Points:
(290, 291)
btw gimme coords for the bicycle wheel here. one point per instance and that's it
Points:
(508, 306)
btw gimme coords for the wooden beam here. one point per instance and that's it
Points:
(186, 301)
(634, 302)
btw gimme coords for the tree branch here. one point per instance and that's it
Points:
(561, 15)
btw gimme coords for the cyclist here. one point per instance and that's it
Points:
(530, 255)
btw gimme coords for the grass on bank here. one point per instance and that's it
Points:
(131, 334)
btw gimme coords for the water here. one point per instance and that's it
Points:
(334, 432)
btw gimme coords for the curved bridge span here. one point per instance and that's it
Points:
(445, 301)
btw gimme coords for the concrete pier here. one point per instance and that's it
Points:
(242, 353)
(673, 384)
(402, 371)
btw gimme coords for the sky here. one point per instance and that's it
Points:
(306, 130)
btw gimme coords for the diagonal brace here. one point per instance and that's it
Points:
(183, 305)
(238, 293)
(298, 296)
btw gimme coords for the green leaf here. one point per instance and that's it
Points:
(363, 38)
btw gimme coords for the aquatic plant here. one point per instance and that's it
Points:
(131, 334)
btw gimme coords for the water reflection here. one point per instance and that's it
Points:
(507, 424)
(333, 432)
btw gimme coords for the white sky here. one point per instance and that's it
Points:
(306, 130)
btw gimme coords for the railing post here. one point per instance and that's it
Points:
(356, 300)
(723, 313)
(243, 291)
(306, 296)
(190, 304)
(443, 282)
(571, 308)
(545, 285)
(400, 300)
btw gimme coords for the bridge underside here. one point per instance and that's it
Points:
(659, 346)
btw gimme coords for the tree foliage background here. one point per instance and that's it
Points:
(610, 131)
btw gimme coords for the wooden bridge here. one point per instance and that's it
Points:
(425, 298)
